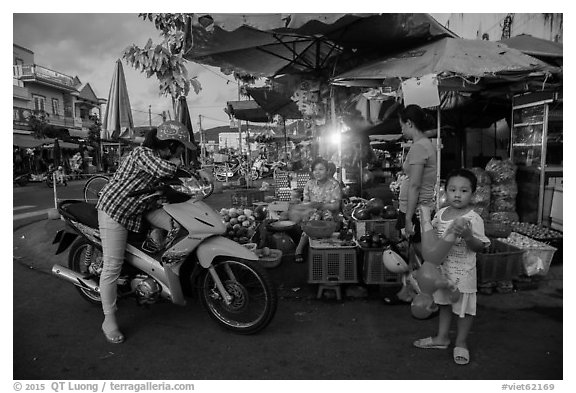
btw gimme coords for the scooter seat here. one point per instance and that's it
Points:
(82, 212)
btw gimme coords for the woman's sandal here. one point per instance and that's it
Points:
(114, 337)
(298, 258)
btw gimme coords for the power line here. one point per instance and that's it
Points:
(215, 73)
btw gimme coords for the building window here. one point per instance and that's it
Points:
(55, 106)
(39, 103)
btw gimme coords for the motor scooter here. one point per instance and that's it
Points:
(232, 286)
(21, 179)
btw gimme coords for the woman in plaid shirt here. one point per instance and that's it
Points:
(118, 213)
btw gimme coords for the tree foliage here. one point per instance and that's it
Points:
(165, 60)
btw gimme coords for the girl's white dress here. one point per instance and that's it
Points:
(460, 265)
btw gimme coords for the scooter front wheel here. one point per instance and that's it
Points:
(253, 296)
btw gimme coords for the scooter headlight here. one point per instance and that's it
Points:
(188, 186)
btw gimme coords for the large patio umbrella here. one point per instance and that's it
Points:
(275, 44)
(117, 120)
(459, 64)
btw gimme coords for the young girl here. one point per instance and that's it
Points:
(460, 264)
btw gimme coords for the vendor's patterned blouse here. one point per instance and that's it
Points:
(326, 193)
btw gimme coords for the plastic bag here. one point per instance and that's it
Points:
(504, 216)
(501, 171)
(482, 176)
(503, 205)
(482, 195)
(504, 190)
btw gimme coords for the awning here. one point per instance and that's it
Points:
(247, 110)
(449, 58)
(533, 46)
(275, 44)
(23, 140)
(274, 102)
(63, 145)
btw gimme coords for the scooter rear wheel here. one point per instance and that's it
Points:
(254, 298)
(86, 259)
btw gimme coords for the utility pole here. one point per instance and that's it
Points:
(150, 115)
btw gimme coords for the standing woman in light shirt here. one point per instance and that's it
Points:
(420, 166)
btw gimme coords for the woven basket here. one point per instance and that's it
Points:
(497, 229)
(270, 261)
(319, 229)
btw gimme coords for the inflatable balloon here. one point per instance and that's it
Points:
(430, 278)
(422, 306)
(393, 262)
(436, 249)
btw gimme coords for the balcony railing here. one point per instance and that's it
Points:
(21, 116)
(27, 71)
(21, 92)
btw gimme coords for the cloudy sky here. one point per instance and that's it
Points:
(88, 45)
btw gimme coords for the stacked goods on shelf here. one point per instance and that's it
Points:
(481, 198)
(503, 190)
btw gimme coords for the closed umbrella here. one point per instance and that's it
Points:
(118, 116)
(183, 116)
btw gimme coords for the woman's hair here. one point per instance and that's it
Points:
(465, 173)
(422, 120)
(331, 169)
(317, 161)
(151, 141)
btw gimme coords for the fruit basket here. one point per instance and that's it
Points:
(497, 229)
(537, 256)
(499, 262)
(317, 229)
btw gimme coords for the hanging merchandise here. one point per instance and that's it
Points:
(422, 91)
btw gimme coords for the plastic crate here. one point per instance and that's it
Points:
(374, 271)
(535, 254)
(384, 227)
(502, 262)
(332, 266)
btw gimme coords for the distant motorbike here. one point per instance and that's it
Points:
(262, 169)
(21, 179)
(232, 286)
(58, 175)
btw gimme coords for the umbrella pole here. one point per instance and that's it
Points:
(285, 136)
(438, 158)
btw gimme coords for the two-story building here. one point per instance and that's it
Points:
(68, 104)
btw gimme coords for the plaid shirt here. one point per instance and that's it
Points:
(141, 169)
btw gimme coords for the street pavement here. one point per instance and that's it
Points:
(56, 334)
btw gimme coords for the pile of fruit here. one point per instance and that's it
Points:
(373, 240)
(374, 209)
(536, 231)
(240, 224)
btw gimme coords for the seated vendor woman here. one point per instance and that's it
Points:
(323, 193)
